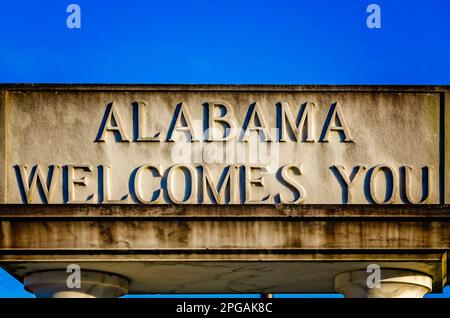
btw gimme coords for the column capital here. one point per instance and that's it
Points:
(394, 283)
(53, 284)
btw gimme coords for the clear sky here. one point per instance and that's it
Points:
(223, 41)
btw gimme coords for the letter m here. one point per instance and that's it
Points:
(218, 193)
(36, 181)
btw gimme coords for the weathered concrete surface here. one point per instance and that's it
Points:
(399, 129)
(165, 249)
(3, 163)
(249, 274)
(226, 234)
(446, 143)
(184, 248)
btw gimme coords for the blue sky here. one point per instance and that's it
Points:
(223, 41)
(226, 41)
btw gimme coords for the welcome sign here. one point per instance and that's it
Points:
(221, 145)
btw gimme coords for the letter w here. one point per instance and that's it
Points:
(29, 182)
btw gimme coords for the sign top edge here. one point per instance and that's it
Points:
(225, 87)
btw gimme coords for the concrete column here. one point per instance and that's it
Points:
(394, 283)
(53, 284)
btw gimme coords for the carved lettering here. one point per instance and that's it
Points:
(256, 121)
(296, 187)
(336, 122)
(252, 180)
(138, 184)
(73, 181)
(348, 179)
(218, 192)
(112, 122)
(142, 124)
(30, 181)
(182, 123)
(304, 117)
(391, 184)
(107, 197)
(190, 184)
(226, 120)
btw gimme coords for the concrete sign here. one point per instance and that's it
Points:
(225, 189)
(222, 145)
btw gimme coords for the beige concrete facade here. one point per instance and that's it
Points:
(351, 176)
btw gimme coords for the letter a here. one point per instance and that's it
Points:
(374, 19)
(336, 122)
(73, 21)
(111, 122)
